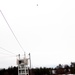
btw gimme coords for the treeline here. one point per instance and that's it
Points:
(9, 71)
(60, 69)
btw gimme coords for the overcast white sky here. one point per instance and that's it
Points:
(47, 31)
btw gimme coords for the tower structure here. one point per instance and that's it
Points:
(22, 63)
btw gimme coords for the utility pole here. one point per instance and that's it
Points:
(30, 71)
(23, 63)
(30, 60)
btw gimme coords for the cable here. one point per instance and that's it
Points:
(12, 31)
(6, 50)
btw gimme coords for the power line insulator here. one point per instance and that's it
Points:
(37, 4)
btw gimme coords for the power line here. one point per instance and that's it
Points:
(6, 50)
(6, 55)
(12, 31)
